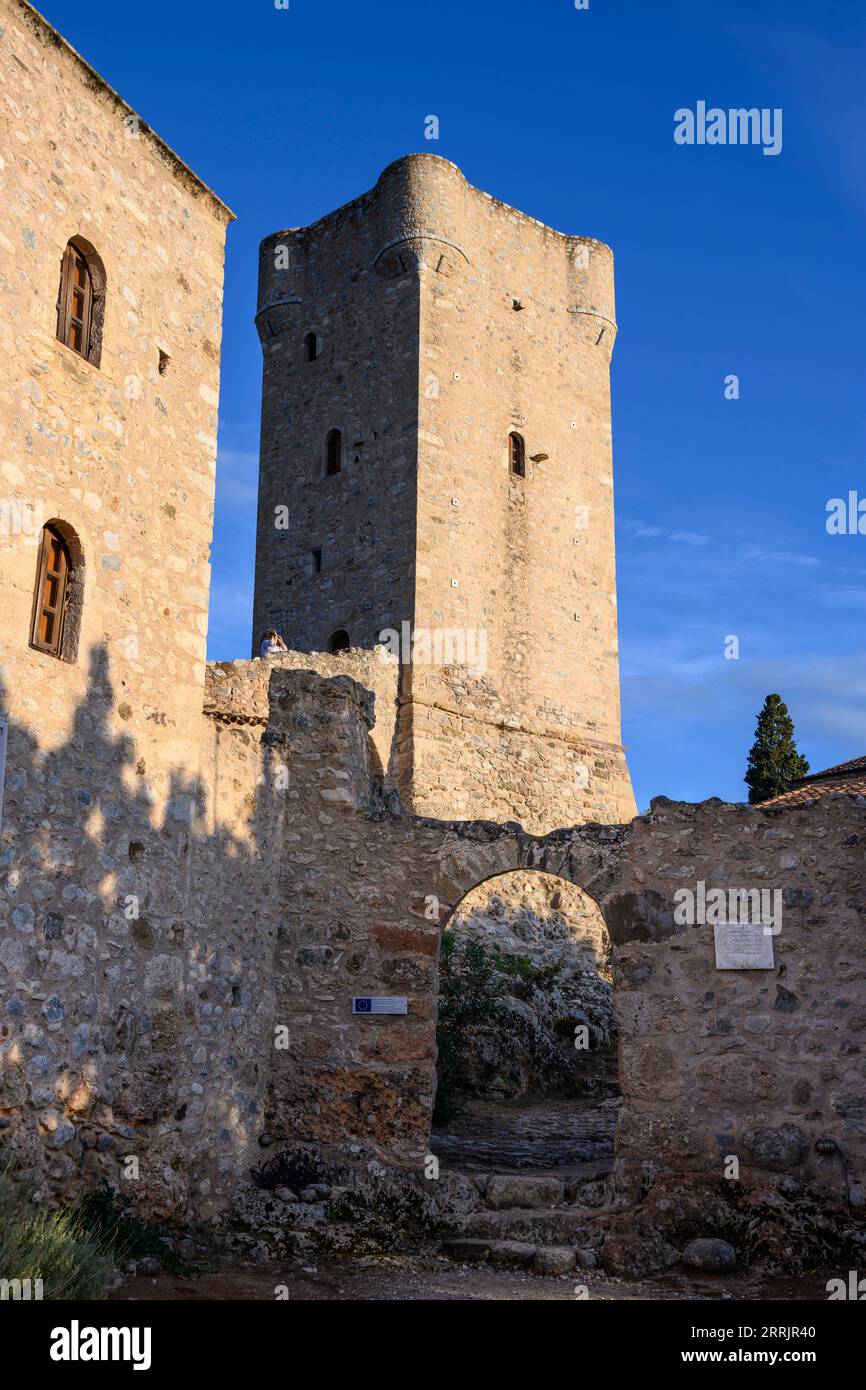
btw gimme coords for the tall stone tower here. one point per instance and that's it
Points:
(436, 461)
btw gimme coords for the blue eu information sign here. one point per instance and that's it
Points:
(380, 1004)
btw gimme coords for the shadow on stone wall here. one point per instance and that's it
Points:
(134, 984)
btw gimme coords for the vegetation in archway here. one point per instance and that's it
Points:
(525, 1004)
(470, 996)
(474, 986)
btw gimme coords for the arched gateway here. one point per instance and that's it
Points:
(714, 1061)
(527, 1065)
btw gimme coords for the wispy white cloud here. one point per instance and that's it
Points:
(237, 477)
(755, 555)
(846, 596)
(643, 531)
(690, 538)
(827, 71)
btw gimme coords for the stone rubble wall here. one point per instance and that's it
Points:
(464, 763)
(755, 1064)
(219, 1018)
(238, 690)
(120, 931)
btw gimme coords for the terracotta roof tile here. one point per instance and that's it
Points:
(807, 792)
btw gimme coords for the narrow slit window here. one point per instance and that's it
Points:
(317, 560)
(333, 453)
(311, 347)
(517, 455)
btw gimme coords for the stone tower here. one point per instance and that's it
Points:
(436, 461)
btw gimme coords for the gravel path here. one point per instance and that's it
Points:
(429, 1277)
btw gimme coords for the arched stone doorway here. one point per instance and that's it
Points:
(527, 1071)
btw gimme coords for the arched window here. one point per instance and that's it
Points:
(59, 587)
(333, 453)
(516, 455)
(311, 347)
(81, 302)
(338, 641)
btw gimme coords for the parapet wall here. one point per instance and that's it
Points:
(237, 691)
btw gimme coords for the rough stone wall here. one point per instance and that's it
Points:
(136, 938)
(105, 927)
(426, 365)
(474, 760)
(221, 1015)
(711, 1063)
(327, 279)
(238, 690)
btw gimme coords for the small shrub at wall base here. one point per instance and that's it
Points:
(295, 1169)
(108, 1218)
(51, 1244)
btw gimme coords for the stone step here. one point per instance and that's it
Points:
(541, 1259)
(534, 1191)
(540, 1226)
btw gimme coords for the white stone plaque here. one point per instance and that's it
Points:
(380, 1004)
(743, 946)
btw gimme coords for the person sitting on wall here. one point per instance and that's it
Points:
(272, 643)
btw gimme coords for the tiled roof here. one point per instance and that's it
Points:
(805, 794)
(856, 765)
(845, 779)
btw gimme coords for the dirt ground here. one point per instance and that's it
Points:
(426, 1277)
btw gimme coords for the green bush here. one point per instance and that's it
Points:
(472, 983)
(470, 993)
(51, 1244)
(109, 1218)
(523, 977)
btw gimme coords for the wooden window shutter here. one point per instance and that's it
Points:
(52, 584)
(75, 306)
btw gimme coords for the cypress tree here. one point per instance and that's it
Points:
(773, 761)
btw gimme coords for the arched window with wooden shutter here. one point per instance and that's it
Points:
(52, 591)
(76, 302)
(516, 455)
(81, 302)
(58, 600)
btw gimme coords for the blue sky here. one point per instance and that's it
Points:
(728, 262)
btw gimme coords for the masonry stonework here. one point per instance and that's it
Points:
(105, 746)
(444, 322)
(200, 866)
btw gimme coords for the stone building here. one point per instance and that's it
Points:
(111, 264)
(201, 866)
(436, 465)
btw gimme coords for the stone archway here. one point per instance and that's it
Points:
(714, 1062)
(527, 1070)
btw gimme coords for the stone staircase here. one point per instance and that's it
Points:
(538, 1221)
(540, 1169)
